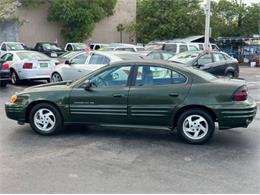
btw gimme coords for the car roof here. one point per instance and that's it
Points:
(113, 55)
(12, 42)
(148, 62)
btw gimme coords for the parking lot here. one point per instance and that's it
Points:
(111, 160)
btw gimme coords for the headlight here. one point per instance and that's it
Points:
(13, 98)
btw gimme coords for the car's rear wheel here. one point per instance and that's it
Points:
(15, 78)
(56, 77)
(45, 119)
(195, 126)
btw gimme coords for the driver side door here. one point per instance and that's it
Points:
(106, 101)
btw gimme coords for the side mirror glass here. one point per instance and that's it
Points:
(87, 85)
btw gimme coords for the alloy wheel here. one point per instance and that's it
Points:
(195, 127)
(44, 119)
(56, 78)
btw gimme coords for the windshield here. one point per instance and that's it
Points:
(50, 46)
(185, 57)
(31, 55)
(15, 46)
(69, 54)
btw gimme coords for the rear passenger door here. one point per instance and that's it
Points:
(155, 94)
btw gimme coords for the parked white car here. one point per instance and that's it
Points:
(124, 47)
(85, 63)
(28, 65)
(75, 47)
(11, 46)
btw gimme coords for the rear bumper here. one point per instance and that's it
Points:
(235, 116)
(4, 75)
(35, 74)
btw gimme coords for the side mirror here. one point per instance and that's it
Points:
(67, 62)
(87, 85)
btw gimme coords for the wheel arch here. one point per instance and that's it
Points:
(34, 103)
(188, 107)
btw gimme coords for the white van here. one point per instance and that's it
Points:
(179, 47)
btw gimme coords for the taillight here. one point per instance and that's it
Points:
(27, 66)
(5, 66)
(240, 94)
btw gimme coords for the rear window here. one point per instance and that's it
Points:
(32, 56)
(186, 57)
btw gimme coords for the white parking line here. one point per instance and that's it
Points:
(257, 75)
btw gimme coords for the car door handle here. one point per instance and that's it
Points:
(79, 71)
(118, 95)
(173, 94)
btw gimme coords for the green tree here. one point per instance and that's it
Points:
(7, 9)
(120, 28)
(168, 19)
(251, 20)
(79, 17)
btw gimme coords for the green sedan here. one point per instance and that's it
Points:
(150, 94)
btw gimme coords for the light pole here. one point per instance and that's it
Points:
(207, 25)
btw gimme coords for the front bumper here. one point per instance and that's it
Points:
(15, 112)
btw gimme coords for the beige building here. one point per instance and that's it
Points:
(36, 28)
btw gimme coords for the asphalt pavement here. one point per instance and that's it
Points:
(118, 160)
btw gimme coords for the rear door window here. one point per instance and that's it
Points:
(218, 57)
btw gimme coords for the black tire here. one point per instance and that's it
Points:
(56, 77)
(15, 78)
(3, 83)
(230, 74)
(208, 122)
(57, 118)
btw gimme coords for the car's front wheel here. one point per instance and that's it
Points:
(56, 77)
(45, 119)
(195, 126)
